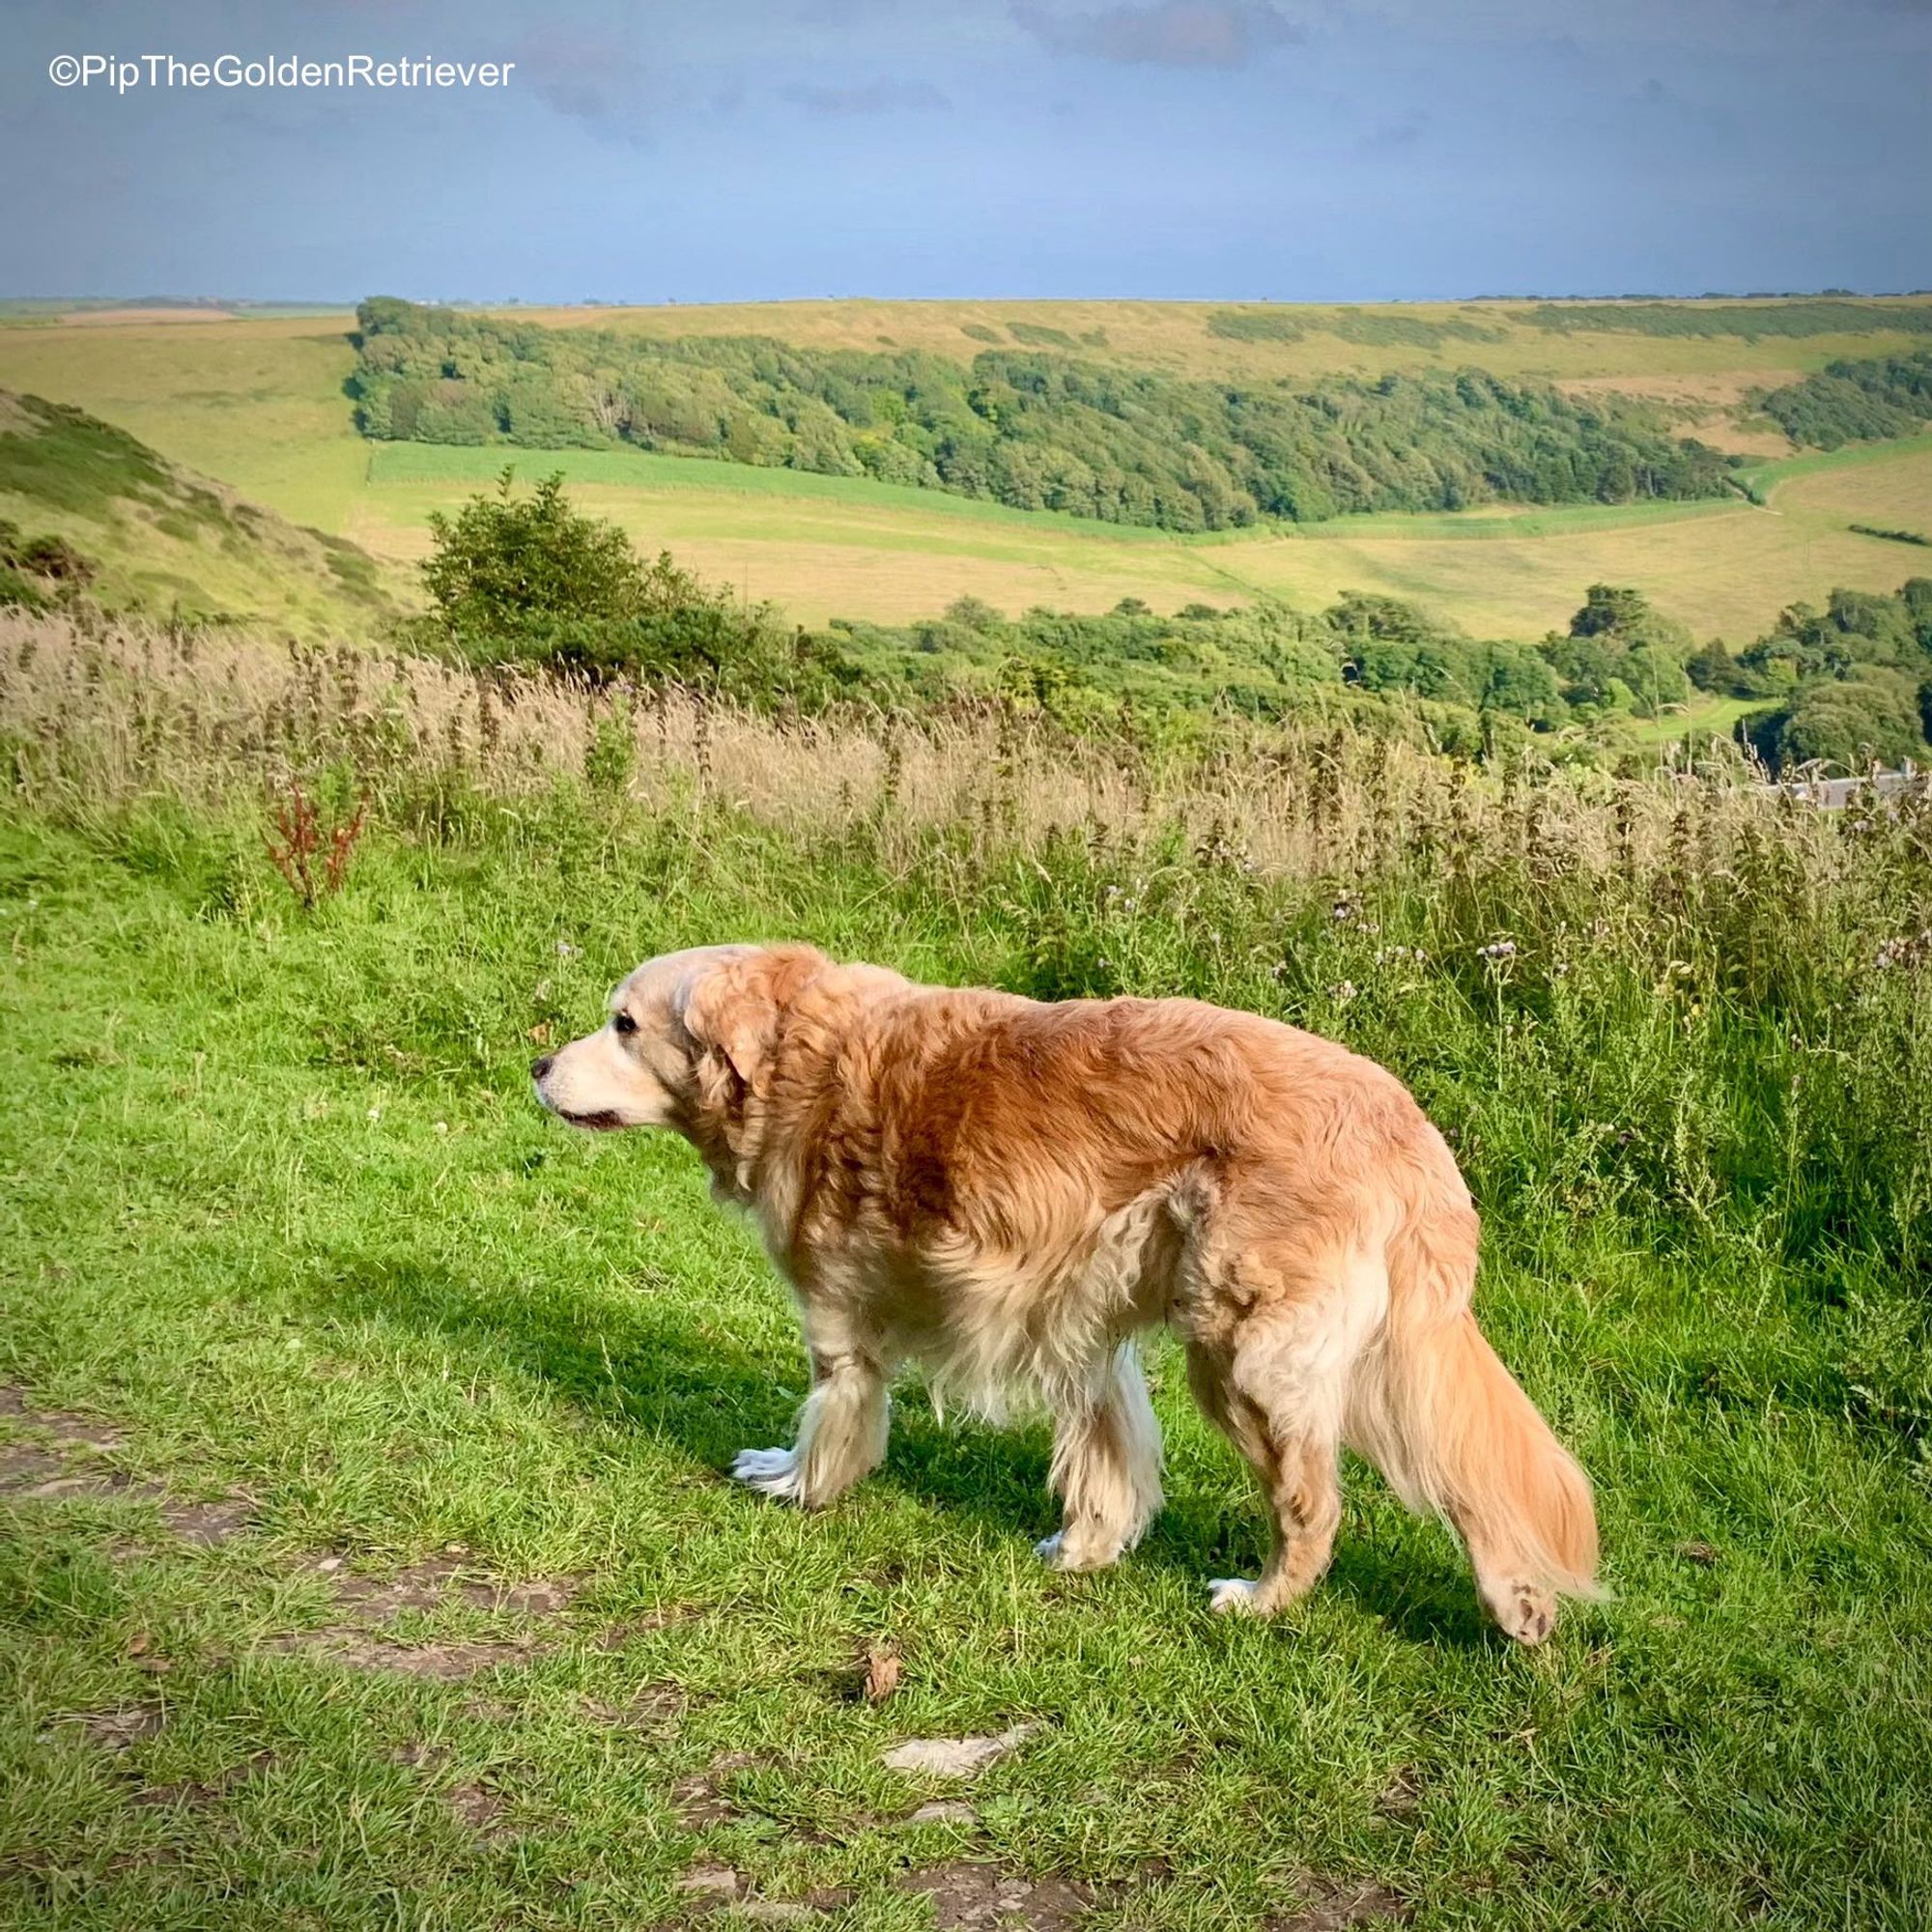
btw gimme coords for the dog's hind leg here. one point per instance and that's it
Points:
(1106, 1467)
(1275, 1379)
(1295, 1461)
(842, 1430)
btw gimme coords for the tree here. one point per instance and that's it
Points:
(1711, 668)
(1871, 716)
(527, 580)
(1624, 618)
(508, 567)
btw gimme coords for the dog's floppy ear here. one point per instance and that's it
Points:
(733, 1009)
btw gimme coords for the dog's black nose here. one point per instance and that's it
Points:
(539, 1067)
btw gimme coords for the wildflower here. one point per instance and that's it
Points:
(1342, 991)
(1908, 950)
(1497, 949)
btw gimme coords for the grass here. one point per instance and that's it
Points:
(166, 540)
(414, 462)
(259, 403)
(826, 547)
(283, 1233)
(1705, 718)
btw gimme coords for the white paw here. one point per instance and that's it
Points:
(1056, 1553)
(1231, 1595)
(772, 1472)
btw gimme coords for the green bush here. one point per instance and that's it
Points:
(1855, 402)
(528, 581)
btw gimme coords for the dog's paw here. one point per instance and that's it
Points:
(1525, 1611)
(772, 1472)
(1057, 1552)
(1231, 1596)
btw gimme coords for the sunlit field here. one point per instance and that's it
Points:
(258, 403)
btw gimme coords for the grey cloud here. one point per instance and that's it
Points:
(1172, 33)
(876, 97)
(1396, 137)
(592, 78)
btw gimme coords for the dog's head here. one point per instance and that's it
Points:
(690, 1037)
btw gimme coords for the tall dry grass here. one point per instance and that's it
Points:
(119, 712)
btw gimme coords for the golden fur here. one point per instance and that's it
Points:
(1008, 1191)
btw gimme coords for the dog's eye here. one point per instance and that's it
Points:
(623, 1023)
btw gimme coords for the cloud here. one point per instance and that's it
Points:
(592, 78)
(875, 97)
(1396, 137)
(1172, 33)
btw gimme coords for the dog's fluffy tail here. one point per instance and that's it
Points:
(1453, 1432)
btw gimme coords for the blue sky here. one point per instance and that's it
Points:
(1309, 150)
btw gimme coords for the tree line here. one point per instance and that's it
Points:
(1031, 430)
(1863, 400)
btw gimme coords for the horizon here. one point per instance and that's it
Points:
(117, 299)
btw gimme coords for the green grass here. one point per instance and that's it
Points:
(1515, 525)
(415, 463)
(408, 463)
(1765, 478)
(1704, 718)
(168, 540)
(282, 1225)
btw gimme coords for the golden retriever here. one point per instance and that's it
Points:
(1007, 1191)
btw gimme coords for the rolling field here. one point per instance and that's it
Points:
(1368, 339)
(259, 404)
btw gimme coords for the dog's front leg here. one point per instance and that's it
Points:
(1106, 1466)
(841, 1431)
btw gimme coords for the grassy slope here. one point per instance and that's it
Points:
(168, 539)
(283, 1224)
(259, 403)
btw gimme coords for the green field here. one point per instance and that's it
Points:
(365, 1555)
(258, 403)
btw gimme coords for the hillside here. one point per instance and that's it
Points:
(160, 537)
(261, 404)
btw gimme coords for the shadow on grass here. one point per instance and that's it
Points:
(672, 1369)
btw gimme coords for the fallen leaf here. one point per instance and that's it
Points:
(882, 1672)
